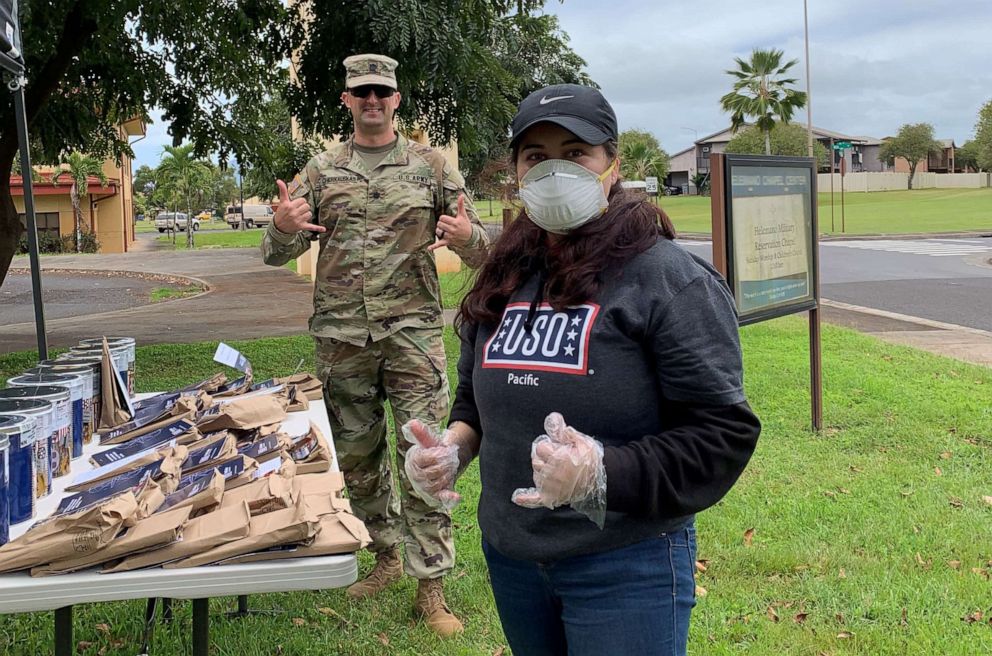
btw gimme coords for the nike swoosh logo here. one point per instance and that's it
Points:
(545, 100)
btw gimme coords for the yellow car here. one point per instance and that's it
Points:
(205, 215)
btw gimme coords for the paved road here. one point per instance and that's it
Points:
(246, 299)
(69, 295)
(946, 280)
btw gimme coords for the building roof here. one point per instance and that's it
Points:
(727, 134)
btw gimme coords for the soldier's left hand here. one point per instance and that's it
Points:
(453, 230)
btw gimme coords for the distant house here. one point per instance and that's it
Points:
(107, 211)
(943, 161)
(863, 156)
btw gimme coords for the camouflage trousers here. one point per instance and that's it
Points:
(407, 369)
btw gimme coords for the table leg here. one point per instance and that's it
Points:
(146, 642)
(166, 609)
(201, 627)
(63, 631)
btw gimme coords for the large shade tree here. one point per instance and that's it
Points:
(92, 64)
(983, 138)
(641, 155)
(787, 139)
(762, 93)
(464, 66)
(914, 143)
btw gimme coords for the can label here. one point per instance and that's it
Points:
(21, 482)
(61, 446)
(42, 467)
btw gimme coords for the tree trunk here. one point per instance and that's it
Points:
(768, 143)
(10, 224)
(912, 172)
(189, 225)
(77, 213)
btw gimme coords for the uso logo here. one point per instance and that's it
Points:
(557, 341)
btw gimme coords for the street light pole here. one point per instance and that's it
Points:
(809, 93)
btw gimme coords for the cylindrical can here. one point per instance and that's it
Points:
(41, 460)
(94, 361)
(128, 343)
(76, 384)
(118, 354)
(90, 374)
(4, 510)
(19, 431)
(60, 445)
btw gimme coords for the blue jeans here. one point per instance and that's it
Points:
(633, 601)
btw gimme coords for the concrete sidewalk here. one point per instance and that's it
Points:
(245, 299)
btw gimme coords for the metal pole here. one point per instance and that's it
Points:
(201, 627)
(16, 85)
(63, 631)
(809, 93)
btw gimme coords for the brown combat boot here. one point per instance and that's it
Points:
(388, 569)
(430, 605)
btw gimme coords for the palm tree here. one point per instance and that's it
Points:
(761, 92)
(186, 176)
(80, 167)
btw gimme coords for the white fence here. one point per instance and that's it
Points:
(900, 181)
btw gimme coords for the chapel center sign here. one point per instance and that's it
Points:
(768, 239)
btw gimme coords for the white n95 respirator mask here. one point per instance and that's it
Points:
(560, 195)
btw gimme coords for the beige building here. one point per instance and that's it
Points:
(107, 210)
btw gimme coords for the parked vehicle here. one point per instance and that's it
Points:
(254, 216)
(175, 221)
(671, 190)
(205, 215)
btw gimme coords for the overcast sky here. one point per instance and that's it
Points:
(875, 64)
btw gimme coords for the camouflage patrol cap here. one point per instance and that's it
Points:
(370, 69)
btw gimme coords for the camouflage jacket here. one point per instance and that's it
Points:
(374, 273)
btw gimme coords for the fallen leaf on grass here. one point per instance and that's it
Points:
(748, 536)
(955, 502)
(984, 573)
(844, 635)
(701, 565)
(330, 612)
(925, 564)
(842, 574)
(936, 470)
(971, 618)
(954, 564)
(83, 645)
(946, 455)
(772, 615)
(799, 618)
(906, 493)
(843, 490)
(700, 591)
(299, 621)
(384, 639)
(116, 644)
(832, 495)
(499, 651)
(905, 618)
(987, 499)
(856, 470)
(102, 628)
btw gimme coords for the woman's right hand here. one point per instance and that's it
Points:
(432, 464)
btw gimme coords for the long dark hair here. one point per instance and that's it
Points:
(572, 266)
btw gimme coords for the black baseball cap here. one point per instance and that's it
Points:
(583, 111)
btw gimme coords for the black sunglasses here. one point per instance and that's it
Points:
(381, 91)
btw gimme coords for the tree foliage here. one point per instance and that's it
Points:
(914, 143)
(80, 167)
(787, 139)
(983, 138)
(285, 155)
(464, 66)
(184, 177)
(91, 64)
(641, 155)
(762, 93)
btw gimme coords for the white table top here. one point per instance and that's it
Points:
(19, 592)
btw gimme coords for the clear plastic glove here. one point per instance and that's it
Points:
(568, 470)
(431, 464)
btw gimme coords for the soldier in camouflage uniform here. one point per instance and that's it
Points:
(376, 203)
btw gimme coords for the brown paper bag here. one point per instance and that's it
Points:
(70, 535)
(263, 495)
(298, 401)
(310, 385)
(244, 414)
(184, 408)
(178, 452)
(330, 483)
(201, 534)
(208, 453)
(339, 533)
(201, 496)
(114, 411)
(279, 527)
(311, 452)
(155, 531)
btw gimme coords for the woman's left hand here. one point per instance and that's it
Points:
(568, 470)
(453, 230)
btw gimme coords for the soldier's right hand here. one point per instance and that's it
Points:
(293, 215)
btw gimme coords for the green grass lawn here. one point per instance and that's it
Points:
(870, 538)
(148, 225)
(169, 293)
(878, 212)
(218, 239)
